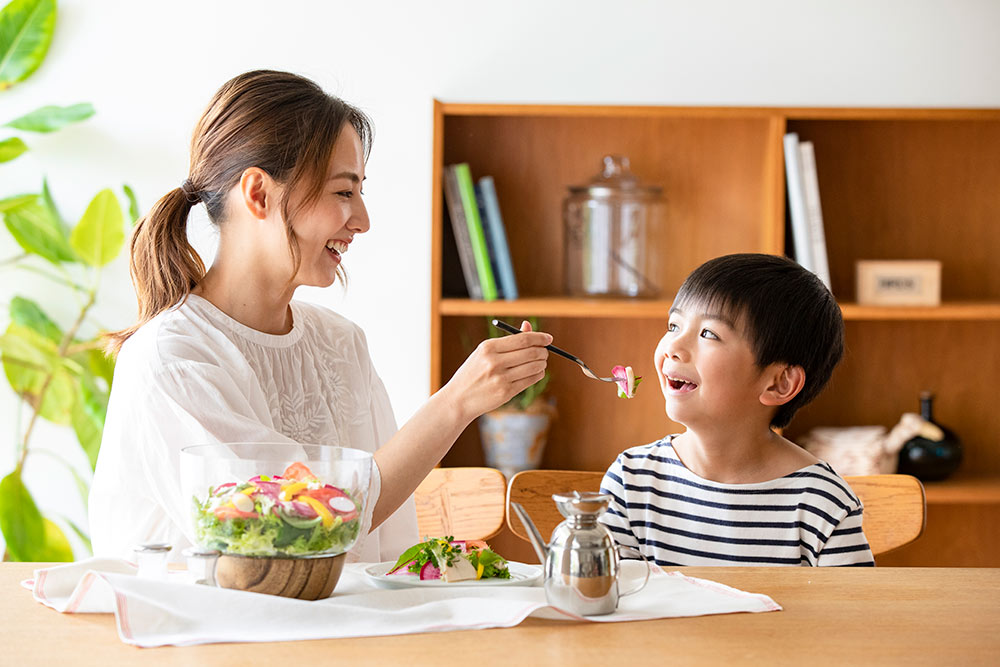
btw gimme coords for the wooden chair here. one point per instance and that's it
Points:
(466, 503)
(895, 507)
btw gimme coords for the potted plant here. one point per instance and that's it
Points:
(57, 369)
(514, 435)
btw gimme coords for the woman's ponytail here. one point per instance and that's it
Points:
(165, 267)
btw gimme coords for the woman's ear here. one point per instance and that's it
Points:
(785, 382)
(257, 192)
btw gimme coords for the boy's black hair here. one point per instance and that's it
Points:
(786, 312)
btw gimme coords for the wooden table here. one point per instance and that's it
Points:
(849, 616)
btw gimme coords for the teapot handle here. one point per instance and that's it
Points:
(644, 581)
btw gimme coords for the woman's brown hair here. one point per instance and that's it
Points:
(282, 123)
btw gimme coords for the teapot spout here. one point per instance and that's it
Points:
(536, 539)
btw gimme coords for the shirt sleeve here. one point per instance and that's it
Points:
(616, 518)
(847, 545)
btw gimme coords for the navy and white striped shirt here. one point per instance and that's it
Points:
(674, 517)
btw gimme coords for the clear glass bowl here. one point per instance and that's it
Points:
(276, 500)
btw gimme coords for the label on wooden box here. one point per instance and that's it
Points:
(899, 282)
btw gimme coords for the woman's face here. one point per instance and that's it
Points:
(326, 229)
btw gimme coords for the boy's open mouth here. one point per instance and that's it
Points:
(681, 385)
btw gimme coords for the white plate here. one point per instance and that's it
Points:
(521, 574)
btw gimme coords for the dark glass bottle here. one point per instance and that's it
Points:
(930, 460)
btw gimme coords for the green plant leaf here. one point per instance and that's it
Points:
(37, 231)
(50, 204)
(55, 548)
(11, 148)
(51, 118)
(26, 28)
(15, 201)
(133, 203)
(17, 345)
(88, 415)
(21, 344)
(29, 314)
(100, 234)
(20, 521)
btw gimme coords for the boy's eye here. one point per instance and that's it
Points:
(671, 327)
(708, 333)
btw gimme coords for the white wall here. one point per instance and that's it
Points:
(149, 69)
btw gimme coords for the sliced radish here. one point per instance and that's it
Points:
(428, 571)
(242, 502)
(341, 504)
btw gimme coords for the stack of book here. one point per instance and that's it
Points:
(479, 234)
(808, 240)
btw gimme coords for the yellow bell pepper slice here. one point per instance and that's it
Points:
(323, 512)
(479, 571)
(288, 492)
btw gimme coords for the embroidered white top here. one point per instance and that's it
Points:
(193, 375)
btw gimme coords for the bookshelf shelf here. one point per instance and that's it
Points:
(964, 490)
(894, 183)
(621, 308)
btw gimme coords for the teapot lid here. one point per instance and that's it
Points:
(616, 177)
(588, 505)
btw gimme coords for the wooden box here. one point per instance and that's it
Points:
(899, 282)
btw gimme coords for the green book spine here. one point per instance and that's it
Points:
(468, 192)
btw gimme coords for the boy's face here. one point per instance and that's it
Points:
(706, 369)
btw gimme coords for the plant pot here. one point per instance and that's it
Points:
(514, 440)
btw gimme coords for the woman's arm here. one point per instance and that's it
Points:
(493, 374)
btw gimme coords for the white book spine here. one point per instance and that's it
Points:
(814, 212)
(796, 203)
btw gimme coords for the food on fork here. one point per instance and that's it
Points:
(292, 514)
(451, 560)
(626, 380)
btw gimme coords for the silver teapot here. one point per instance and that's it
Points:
(581, 562)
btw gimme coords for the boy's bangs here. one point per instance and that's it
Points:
(714, 302)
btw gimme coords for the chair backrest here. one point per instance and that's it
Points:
(895, 507)
(466, 503)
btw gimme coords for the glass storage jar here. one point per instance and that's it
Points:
(610, 226)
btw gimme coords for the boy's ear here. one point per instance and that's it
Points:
(784, 385)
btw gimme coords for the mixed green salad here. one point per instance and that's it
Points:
(449, 559)
(292, 514)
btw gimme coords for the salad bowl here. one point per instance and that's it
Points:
(283, 516)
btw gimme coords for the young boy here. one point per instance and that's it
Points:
(750, 339)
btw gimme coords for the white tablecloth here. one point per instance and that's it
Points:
(156, 613)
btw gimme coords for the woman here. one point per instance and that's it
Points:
(226, 355)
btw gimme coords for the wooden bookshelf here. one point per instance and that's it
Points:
(895, 184)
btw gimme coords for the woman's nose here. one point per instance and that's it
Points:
(359, 222)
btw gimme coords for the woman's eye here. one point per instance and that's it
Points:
(346, 194)
(708, 333)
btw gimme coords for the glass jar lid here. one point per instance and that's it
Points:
(616, 178)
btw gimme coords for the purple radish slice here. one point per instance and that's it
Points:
(428, 571)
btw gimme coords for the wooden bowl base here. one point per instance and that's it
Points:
(300, 578)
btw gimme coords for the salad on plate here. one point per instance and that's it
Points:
(293, 514)
(451, 560)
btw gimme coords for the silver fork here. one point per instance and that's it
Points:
(503, 326)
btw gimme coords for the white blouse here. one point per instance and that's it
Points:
(193, 375)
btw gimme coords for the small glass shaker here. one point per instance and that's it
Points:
(151, 560)
(201, 565)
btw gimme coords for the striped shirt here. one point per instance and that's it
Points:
(674, 517)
